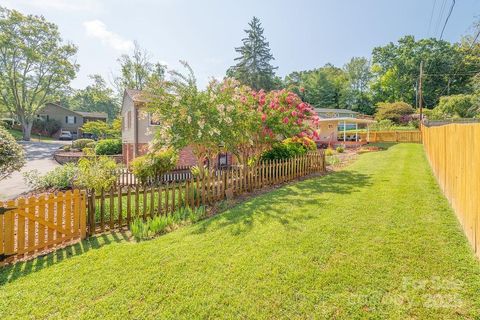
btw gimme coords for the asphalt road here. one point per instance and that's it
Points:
(38, 155)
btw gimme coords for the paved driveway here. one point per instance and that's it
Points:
(39, 155)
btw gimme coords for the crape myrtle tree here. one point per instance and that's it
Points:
(227, 116)
(35, 64)
(254, 66)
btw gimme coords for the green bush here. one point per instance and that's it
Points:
(394, 111)
(81, 143)
(46, 127)
(108, 147)
(340, 149)
(96, 172)
(60, 178)
(383, 125)
(289, 148)
(12, 157)
(91, 145)
(153, 165)
(329, 152)
(67, 148)
(142, 230)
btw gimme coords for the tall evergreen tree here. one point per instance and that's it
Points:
(254, 63)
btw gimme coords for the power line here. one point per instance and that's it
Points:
(431, 17)
(448, 17)
(440, 16)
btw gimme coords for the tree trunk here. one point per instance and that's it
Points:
(27, 129)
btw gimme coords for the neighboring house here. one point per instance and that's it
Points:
(138, 130)
(333, 124)
(70, 120)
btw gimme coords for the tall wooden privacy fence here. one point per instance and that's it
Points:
(453, 151)
(29, 226)
(117, 207)
(392, 136)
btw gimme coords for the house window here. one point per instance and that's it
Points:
(43, 117)
(222, 160)
(70, 119)
(129, 119)
(154, 121)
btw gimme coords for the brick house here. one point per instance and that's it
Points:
(138, 129)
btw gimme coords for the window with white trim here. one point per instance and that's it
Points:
(152, 120)
(70, 119)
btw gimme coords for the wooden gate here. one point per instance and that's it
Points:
(30, 226)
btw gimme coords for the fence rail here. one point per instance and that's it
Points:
(117, 207)
(126, 177)
(29, 226)
(453, 151)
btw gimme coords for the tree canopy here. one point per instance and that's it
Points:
(35, 64)
(254, 66)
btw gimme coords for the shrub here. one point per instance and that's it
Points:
(12, 156)
(153, 165)
(81, 143)
(88, 151)
(332, 160)
(60, 178)
(340, 149)
(46, 127)
(91, 145)
(393, 111)
(329, 152)
(142, 230)
(457, 106)
(96, 172)
(67, 148)
(383, 125)
(108, 147)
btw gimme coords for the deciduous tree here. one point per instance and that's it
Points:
(35, 64)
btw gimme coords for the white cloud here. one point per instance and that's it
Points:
(98, 29)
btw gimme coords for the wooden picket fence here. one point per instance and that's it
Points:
(117, 207)
(392, 136)
(182, 173)
(453, 151)
(30, 226)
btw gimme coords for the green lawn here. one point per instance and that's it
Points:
(375, 240)
(18, 135)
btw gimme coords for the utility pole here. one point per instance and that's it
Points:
(420, 94)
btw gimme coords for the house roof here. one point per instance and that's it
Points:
(335, 110)
(81, 113)
(347, 120)
(135, 95)
(92, 114)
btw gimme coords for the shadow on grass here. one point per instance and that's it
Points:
(22, 268)
(280, 205)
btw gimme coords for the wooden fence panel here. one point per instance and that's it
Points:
(29, 226)
(391, 136)
(453, 151)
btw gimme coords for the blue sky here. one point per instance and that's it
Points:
(302, 34)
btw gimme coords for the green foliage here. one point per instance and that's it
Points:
(46, 127)
(103, 129)
(154, 164)
(60, 178)
(281, 151)
(12, 156)
(97, 97)
(396, 69)
(96, 172)
(67, 148)
(143, 230)
(36, 64)
(108, 147)
(253, 66)
(340, 149)
(91, 145)
(457, 106)
(394, 111)
(136, 71)
(383, 125)
(332, 160)
(329, 152)
(81, 143)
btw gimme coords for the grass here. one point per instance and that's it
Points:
(18, 135)
(375, 240)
